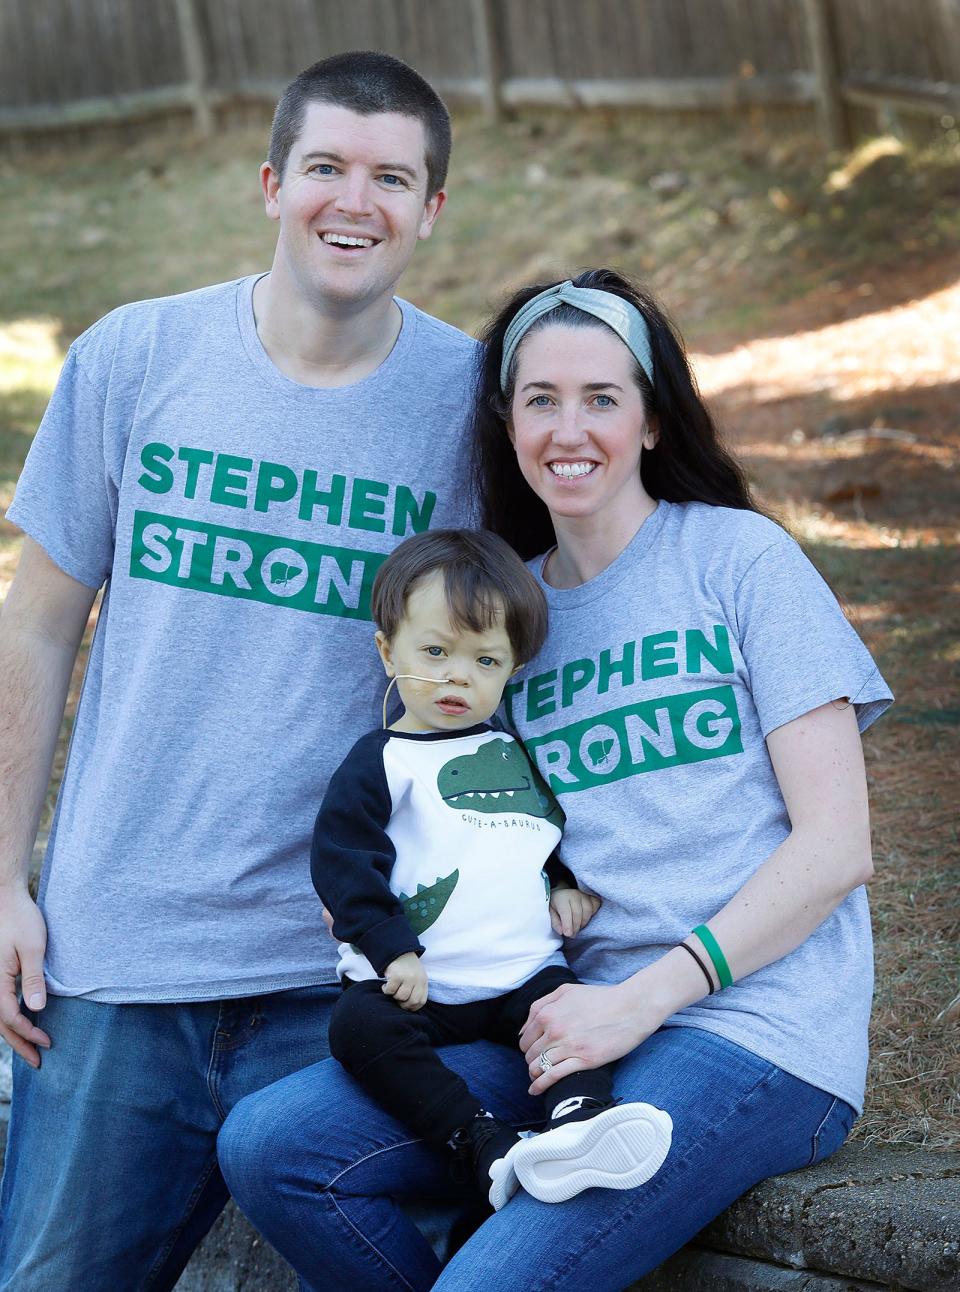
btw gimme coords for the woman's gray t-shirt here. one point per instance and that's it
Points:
(647, 711)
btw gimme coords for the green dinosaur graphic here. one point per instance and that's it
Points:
(425, 906)
(498, 778)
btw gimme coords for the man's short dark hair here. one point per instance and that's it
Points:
(483, 579)
(364, 81)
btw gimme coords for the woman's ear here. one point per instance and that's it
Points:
(383, 646)
(501, 408)
(651, 433)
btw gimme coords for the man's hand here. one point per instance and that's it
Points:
(23, 940)
(571, 910)
(406, 981)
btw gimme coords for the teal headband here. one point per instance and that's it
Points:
(624, 319)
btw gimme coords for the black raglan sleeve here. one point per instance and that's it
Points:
(352, 856)
(557, 872)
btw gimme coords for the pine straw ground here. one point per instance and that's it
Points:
(821, 301)
(871, 494)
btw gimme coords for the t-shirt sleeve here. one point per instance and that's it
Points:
(800, 650)
(352, 857)
(65, 499)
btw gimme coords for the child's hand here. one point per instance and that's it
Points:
(406, 981)
(571, 910)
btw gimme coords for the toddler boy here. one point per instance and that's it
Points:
(435, 850)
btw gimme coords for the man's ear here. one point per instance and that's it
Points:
(383, 646)
(432, 208)
(270, 187)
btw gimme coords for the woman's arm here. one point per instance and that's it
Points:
(818, 762)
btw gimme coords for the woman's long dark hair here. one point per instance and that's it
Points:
(688, 464)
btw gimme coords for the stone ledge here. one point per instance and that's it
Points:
(234, 1258)
(693, 1270)
(867, 1219)
(886, 1215)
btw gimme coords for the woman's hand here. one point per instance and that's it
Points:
(584, 1027)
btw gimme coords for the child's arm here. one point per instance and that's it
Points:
(352, 856)
(571, 909)
(406, 981)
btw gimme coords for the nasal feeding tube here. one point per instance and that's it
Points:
(411, 677)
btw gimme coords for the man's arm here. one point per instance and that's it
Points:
(41, 626)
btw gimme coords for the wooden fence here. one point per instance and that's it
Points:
(72, 63)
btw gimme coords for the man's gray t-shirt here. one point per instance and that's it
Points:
(239, 519)
(647, 711)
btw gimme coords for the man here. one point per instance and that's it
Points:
(234, 464)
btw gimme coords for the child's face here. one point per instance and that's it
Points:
(471, 668)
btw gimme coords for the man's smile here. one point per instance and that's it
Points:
(347, 240)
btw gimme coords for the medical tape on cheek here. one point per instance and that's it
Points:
(410, 677)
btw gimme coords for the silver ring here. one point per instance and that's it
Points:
(545, 1063)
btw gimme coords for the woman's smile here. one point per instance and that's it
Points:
(572, 470)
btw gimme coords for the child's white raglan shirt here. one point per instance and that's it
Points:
(440, 843)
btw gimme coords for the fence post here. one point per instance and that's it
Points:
(193, 57)
(487, 38)
(950, 26)
(831, 109)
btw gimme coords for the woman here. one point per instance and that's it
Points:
(696, 709)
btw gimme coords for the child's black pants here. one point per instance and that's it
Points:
(390, 1051)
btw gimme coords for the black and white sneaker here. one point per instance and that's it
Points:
(490, 1146)
(589, 1144)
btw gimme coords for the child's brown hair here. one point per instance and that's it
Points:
(483, 578)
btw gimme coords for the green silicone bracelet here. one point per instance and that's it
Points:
(712, 947)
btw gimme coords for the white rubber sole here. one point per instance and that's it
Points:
(503, 1178)
(620, 1148)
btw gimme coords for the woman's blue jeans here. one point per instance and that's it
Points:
(321, 1170)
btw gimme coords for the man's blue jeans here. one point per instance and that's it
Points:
(319, 1169)
(111, 1172)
